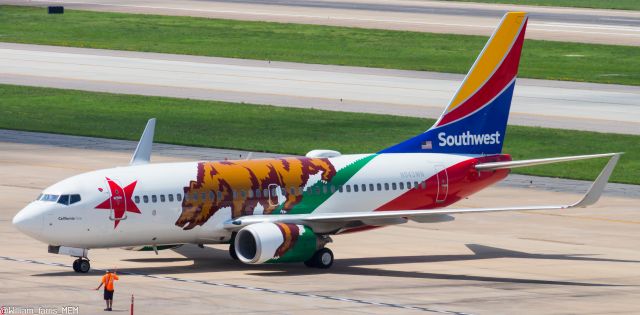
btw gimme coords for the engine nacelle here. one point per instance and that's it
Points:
(276, 242)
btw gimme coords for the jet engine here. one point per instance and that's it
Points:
(276, 242)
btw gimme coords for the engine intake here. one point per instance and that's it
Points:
(276, 242)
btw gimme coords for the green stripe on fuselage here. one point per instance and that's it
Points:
(312, 200)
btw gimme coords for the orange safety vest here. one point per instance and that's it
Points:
(108, 281)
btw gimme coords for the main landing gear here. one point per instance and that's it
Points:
(81, 265)
(322, 259)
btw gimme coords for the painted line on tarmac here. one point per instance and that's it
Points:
(257, 289)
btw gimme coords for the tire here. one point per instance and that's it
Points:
(76, 265)
(322, 259)
(84, 266)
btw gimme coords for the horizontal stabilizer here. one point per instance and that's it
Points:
(523, 163)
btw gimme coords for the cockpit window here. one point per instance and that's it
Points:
(68, 199)
(74, 198)
(64, 199)
(48, 197)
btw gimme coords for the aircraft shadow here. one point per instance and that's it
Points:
(210, 259)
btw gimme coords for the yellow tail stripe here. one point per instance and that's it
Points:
(494, 52)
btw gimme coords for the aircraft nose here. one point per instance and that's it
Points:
(29, 220)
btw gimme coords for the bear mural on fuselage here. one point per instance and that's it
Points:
(251, 180)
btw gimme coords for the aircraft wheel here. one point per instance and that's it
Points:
(322, 259)
(76, 265)
(84, 266)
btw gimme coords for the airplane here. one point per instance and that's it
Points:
(287, 209)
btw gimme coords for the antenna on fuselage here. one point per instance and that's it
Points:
(142, 155)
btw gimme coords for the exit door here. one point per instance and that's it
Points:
(442, 179)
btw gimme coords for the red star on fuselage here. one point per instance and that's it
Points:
(120, 201)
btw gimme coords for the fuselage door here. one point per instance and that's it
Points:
(117, 199)
(273, 195)
(442, 179)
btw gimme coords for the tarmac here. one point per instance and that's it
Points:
(580, 261)
(619, 27)
(554, 104)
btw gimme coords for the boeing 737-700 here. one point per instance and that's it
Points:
(287, 209)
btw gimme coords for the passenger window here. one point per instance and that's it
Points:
(170, 197)
(74, 198)
(235, 194)
(317, 190)
(355, 188)
(145, 198)
(401, 185)
(195, 197)
(203, 196)
(179, 197)
(386, 186)
(371, 187)
(332, 189)
(340, 188)
(379, 186)
(324, 189)
(364, 187)
(424, 185)
(154, 199)
(292, 190)
(64, 200)
(415, 184)
(266, 192)
(394, 186)
(348, 187)
(243, 194)
(212, 196)
(219, 194)
(162, 198)
(137, 199)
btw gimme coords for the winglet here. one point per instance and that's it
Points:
(596, 189)
(142, 155)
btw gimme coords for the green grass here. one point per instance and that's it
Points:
(310, 44)
(283, 130)
(595, 4)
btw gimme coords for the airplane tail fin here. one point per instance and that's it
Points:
(475, 120)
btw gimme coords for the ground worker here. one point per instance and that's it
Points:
(108, 280)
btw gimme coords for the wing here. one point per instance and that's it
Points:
(336, 221)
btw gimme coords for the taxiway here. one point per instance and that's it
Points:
(618, 27)
(556, 104)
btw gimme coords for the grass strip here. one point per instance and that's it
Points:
(310, 44)
(284, 130)
(593, 4)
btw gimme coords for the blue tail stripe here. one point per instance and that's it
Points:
(482, 132)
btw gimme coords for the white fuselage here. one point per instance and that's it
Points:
(159, 196)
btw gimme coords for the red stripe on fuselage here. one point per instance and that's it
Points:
(497, 83)
(463, 181)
